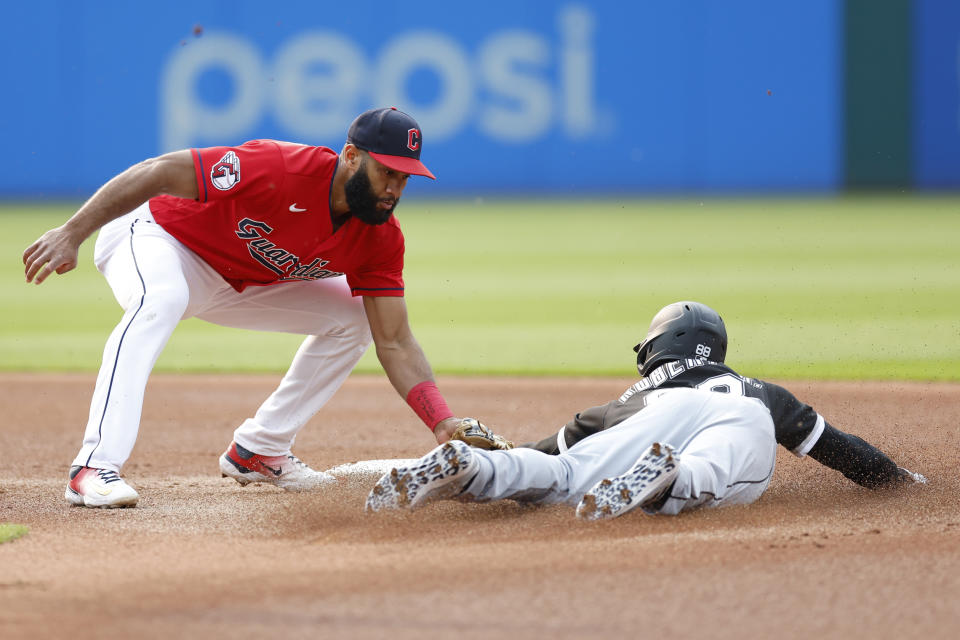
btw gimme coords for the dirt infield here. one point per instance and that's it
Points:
(816, 557)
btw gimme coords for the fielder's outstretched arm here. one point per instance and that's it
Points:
(402, 358)
(57, 249)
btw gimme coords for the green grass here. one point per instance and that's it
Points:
(848, 288)
(10, 532)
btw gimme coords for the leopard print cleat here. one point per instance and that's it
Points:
(646, 483)
(442, 473)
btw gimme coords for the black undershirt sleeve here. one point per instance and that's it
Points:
(854, 458)
(584, 424)
(547, 445)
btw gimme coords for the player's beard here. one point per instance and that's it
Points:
(363, 201)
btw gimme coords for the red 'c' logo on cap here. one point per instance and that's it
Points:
(413, 139)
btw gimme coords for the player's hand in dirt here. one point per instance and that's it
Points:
(56, 250)
(910, 477)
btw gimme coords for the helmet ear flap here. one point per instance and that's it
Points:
(644, 351)
(641, 356)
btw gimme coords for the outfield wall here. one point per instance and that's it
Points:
(548, 96)
(936, 94)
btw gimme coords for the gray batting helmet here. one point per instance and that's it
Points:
(682, 330)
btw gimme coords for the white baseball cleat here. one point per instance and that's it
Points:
(442, 473)
(644, 484)
(287, 472)
(90, 487)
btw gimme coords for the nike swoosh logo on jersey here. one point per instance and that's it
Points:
(295, 209)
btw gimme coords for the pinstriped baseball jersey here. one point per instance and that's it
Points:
(797, 426)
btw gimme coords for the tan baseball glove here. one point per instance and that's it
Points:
(477, 435)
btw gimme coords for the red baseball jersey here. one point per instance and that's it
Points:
(263, 217)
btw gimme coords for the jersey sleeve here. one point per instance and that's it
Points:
(250, 170)
(797, 425)
(804, 431)
(583, 424)
(595, 419)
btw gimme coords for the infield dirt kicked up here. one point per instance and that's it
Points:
(200, 556)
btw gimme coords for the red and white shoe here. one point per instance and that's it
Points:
(287, 472)
(90, 487)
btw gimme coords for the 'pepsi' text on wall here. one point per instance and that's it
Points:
(553, 96)
(517, 85)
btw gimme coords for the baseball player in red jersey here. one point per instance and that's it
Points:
(267, 235)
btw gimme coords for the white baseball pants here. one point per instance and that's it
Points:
(726, 445)
(159, 282)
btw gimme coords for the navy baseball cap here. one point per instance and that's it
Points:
(392, 138)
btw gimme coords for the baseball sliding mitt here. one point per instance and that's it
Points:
(477, 435)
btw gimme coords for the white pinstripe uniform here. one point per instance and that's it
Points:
(724, 426)
(726, 444)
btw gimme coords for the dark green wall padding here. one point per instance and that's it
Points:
(877, 73)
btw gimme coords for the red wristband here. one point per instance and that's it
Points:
(426, 402)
